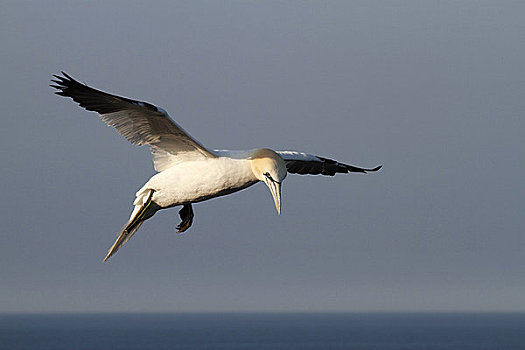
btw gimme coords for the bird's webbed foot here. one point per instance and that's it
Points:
(186, 215)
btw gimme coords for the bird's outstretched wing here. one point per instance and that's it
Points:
(308, 164)
(141, 123)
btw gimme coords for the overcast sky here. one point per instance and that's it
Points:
(433, 90)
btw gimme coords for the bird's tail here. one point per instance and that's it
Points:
(143, 210)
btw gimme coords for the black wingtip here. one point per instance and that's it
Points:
(375, 169)
(64, 79)
(64, 83)
(67, 76)
(61, 82)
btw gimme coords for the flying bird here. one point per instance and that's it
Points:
(187, 171)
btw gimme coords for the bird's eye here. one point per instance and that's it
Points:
(271, 178)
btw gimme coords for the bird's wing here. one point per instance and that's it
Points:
(141, 123)
(308, 164)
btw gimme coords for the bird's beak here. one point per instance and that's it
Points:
(275, 188)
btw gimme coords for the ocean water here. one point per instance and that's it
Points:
(360, 331)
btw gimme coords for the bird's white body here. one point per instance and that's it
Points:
(196, 181)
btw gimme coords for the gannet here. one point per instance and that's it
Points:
(188, 172)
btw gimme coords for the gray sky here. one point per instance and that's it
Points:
(434, 90)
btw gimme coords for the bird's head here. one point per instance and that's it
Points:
(269, 167)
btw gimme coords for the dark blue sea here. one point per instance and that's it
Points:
(360, 331)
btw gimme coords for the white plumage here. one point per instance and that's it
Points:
(188, 172)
